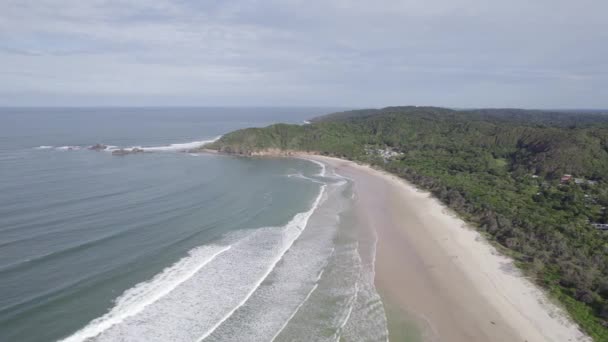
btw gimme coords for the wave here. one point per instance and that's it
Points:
(283, 299)
(357, 312)
(304, 301)
(260, 288)
(179, 147)
(366, 317)
(322, 172)
(58, 148)
(68, 148)
(192, 298)
(339, 180)
(136, 299)
(299, 222)
(301, 176)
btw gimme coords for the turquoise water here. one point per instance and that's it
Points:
(169, 245)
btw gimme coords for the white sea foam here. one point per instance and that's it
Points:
(323, 169)
(298, 223)
(367, 303)
(287, 305)
(301, 176)
(194, 297)
(282, 298)
(295, 312)
(221, 298)
(136, 299)
(68, 148)
(322, 173)
(351, 302)
(359, 313)
(179, 147)
(182, 147)
(303, 301)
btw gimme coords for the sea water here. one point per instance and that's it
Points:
(174, 246)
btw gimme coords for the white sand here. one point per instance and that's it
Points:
(432, 265)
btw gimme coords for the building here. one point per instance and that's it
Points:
(566, 178)
(600, 226)
(385, 153)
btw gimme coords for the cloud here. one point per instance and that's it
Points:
(346, 53)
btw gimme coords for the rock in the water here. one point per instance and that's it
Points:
(98, 147)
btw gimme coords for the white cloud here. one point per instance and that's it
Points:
(352, 53)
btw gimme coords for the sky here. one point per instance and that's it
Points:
(451, 53)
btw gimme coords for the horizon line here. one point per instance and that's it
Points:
(293, 106)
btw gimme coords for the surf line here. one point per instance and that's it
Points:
(303, 301)
(268, 271)
(322, 171)
(103, 323)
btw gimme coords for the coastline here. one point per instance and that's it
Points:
(436, 270)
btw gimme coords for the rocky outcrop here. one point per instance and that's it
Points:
(98, 147)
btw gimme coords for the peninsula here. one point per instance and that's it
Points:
(531, 183)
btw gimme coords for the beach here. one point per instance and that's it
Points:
(172, 246)
(435, 271)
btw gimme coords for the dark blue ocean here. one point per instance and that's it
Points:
(169, 245)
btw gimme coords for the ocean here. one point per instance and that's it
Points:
(175, 246)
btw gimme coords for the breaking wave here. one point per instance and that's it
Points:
(263, 284)
(192, 298)
(59, 148)
(178, 147)
(136, 299)
(181, 147)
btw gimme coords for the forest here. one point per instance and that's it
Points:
(535, 183)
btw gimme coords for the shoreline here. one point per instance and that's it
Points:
(435, 268)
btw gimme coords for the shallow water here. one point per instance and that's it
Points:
(174, 246)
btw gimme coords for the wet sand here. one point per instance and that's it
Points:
(441, 274)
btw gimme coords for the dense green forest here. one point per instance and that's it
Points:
(504, 170)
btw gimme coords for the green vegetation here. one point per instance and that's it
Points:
(500, 170)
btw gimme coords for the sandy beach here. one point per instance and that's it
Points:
(442, 274)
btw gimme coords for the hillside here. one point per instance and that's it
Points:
(500, 169)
